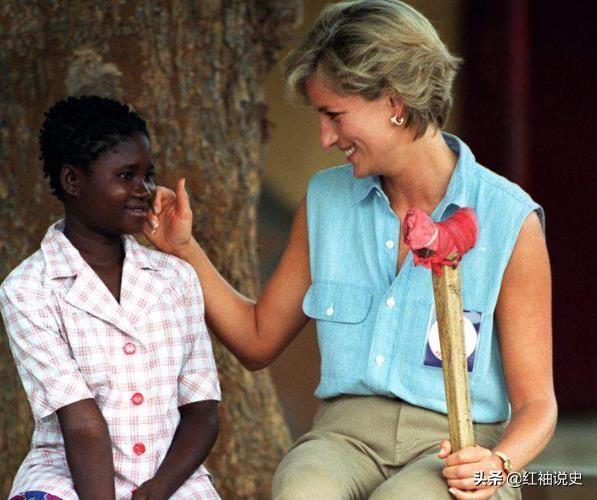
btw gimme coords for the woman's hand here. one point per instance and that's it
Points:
(471, 472)
(169, 223)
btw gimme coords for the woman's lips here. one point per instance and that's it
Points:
(350, 153)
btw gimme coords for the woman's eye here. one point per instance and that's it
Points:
(332, 115)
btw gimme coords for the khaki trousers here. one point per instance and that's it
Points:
(373, 447)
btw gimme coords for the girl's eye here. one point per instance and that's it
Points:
(127, 176)
(332, 115)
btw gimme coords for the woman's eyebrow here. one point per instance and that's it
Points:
(326, 109)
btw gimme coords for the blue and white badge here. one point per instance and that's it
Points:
(471, 323)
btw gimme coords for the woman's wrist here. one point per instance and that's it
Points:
(504, 464)
(504, 460)
(188, 250)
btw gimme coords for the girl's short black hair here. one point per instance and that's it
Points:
(77, 130)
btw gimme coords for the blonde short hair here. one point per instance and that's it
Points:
(369, 47)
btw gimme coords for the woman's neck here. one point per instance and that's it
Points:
(421, 174)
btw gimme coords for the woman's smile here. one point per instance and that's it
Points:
(359, 127)
(350, 152)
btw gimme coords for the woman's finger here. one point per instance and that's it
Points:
(479, 494)
(182, 197)
(462, 471)
(149, 228)
(445, 448)
(468, 455)
(467, 483)
(162, 196)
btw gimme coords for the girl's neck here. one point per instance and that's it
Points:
(98, 250)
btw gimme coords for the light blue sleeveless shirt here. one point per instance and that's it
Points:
(376, 330)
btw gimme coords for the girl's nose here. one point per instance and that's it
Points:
(144, 188)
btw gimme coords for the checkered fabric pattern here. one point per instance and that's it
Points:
(140, 359)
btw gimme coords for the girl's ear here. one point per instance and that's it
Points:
(70, 178)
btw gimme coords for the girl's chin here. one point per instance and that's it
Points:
(131, 227)
(136, 229)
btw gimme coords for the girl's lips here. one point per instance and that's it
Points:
(138, 211)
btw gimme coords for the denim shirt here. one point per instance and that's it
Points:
(376, 329)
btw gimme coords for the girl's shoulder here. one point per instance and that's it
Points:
(28, 278)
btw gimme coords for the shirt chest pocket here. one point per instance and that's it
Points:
(342, 311)
(337, 302)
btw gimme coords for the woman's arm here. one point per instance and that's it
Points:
(523, 315)
(195, 435)
(88, 450)
(256, 332)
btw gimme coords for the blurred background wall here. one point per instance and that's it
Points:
(525, 102)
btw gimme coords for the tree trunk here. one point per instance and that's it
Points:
(194, 70)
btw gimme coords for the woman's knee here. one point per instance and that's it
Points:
(325, 469)
(301, 475)
(421, 479)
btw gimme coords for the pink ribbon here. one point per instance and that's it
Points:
(432, 243)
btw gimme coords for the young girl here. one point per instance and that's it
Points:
(108, 336)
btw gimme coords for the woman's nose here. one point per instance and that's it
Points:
(327, 134)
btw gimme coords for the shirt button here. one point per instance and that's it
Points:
(329, 311)
(129, 348)
(389, 244)
(139, 448)
(390, 302)
(137, 398)
(379, 359)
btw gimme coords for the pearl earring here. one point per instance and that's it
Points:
(397, 121)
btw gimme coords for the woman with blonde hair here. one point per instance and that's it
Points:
(380, 80)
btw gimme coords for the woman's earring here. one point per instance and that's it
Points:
(397, 121)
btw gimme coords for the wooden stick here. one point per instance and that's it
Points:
(448, 306)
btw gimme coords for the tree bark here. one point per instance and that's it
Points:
(194, 71)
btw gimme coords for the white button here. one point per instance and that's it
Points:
(379, 359)
(389, 244)
(390, 302)
(329, 311)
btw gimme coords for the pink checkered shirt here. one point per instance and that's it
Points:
(140, 359)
